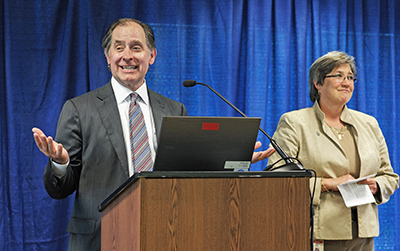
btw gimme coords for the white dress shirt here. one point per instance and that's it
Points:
(122, 95)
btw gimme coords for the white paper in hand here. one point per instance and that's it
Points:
(355, 194)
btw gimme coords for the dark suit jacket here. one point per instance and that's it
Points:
(90, 129)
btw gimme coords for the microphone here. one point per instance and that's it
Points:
(290, 165)
(190, 83)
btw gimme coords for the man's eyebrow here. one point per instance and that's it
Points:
(135, 42)
(131, 43)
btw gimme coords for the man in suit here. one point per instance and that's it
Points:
(91, 153)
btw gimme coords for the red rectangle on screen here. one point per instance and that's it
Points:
(210, 126)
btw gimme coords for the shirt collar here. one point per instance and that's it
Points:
(345, 116)
(121, 92)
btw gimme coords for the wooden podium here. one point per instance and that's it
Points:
(208, 211)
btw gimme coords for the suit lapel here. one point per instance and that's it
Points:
(109, 115)
(158, 110)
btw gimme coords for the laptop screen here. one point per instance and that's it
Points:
(190, 143)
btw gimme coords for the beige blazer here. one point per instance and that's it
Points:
(304, 135)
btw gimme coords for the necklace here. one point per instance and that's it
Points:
(339, 133)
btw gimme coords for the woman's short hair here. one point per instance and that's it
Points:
(324, 65)
(148, 32)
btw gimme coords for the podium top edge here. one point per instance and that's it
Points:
(199, 174)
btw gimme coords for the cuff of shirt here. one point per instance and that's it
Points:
(59, 170)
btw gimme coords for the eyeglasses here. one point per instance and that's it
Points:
(339, 77)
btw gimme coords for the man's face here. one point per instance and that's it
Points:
(129, 56)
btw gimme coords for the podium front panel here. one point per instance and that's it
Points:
(233, 213)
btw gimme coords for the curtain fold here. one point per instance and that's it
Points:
(256, 53)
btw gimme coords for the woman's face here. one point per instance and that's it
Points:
(338, 86)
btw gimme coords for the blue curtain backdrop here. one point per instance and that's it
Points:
(256, 53)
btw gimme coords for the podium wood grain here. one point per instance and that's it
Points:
(209, 214)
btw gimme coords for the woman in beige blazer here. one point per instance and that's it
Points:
(340, 144)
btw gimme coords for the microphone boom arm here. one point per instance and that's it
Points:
(274, 144)
(290, 164)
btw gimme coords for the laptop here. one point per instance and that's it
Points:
(189, 143)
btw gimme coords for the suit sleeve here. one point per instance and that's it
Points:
(69, 135)
(287, 137)
(387, 180)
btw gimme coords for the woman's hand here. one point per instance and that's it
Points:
(332, 183)
(371, 183)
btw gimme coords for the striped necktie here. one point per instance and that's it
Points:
(140, 149)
